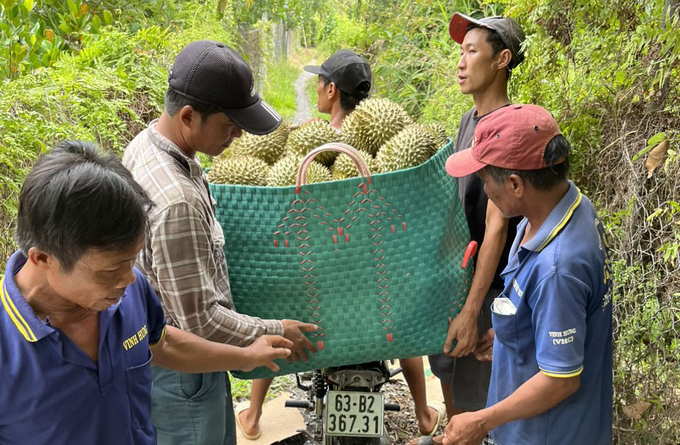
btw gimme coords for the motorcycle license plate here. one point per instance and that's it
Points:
(350, 413)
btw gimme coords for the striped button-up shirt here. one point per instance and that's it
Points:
(183, 257)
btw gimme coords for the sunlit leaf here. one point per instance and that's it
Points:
(96, 24)
(72, 8)
(65, 28)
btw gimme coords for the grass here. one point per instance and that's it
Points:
(279, 90)
(240, 389)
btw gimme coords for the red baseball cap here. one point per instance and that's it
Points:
(512, 137)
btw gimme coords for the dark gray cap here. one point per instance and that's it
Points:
(212, 73)
(509, 31)
(345, 68)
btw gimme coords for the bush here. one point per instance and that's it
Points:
(609, 74)
(105, 92)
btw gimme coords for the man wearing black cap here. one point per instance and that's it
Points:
(210, 100)
(344, 81)
(490, 49)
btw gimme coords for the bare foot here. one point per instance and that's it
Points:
(250, 424)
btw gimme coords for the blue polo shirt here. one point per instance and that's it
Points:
(54, 393)
(559, 282)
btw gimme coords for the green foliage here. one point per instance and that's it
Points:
(293, 13)
(34, 33)
(105, 92)
(26, 44)
(343, 32)
(240, 389)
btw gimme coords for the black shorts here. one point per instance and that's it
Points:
(469, 378)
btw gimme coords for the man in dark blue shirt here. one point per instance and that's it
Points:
(78, 323)
(551, 375)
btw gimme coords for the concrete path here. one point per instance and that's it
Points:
(277, 422)
(303, 109)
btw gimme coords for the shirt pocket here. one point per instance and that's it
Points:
(504, 325)
(139, 391)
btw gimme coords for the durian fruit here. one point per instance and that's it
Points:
(239, 169)
(268, 147)
(410, 147)
(284, 172)
(310, 136)
(372, 123)
(439, 132)
(344, 167)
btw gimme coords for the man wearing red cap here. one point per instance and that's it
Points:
(490, 49)
(551, 377)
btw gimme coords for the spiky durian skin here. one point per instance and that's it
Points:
(344, 167)
(239, 170)
(310, 136)
(284, 172)
(410, 147)
(268, 147)
(372, 123)
(438, 130)
(339, 176)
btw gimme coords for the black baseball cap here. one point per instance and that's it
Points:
(345, 68)
(212, 73)
(509, 31)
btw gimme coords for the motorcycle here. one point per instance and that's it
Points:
(345, 404)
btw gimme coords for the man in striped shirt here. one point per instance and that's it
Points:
(210, 100)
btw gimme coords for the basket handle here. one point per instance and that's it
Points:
(353, 153)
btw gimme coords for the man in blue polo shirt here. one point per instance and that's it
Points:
(77, 321)
(551, 376)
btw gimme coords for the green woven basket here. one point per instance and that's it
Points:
(376, 263)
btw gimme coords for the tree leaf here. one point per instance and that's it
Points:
(72, 8)
(656, 139)
(65, 28)
(96, 23)
(28, 4)
(108, 17)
